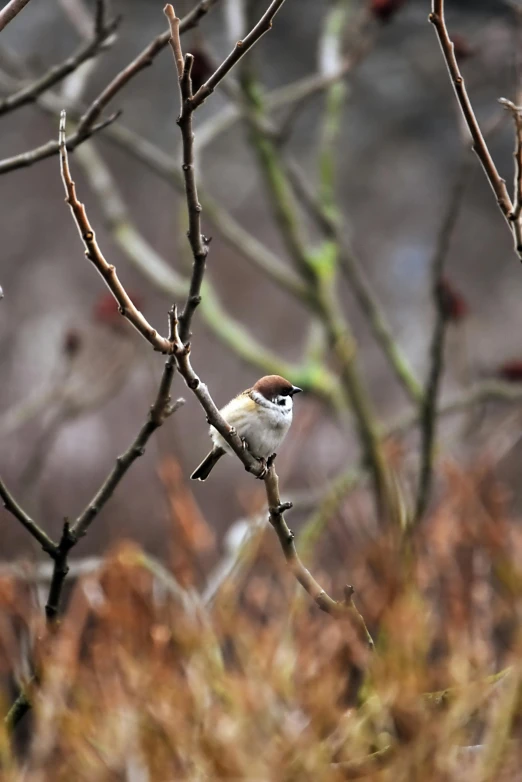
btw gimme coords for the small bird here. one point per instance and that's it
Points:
(261, 416)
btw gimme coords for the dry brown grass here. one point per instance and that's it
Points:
(137, 684)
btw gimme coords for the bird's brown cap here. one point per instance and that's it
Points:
(271, 386)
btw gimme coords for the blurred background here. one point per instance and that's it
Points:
(76, 382)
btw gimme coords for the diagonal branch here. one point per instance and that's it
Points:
(95, 255)
(57, 73)
(143, 60)
(181, 352)
(52, 147)
(89, 122)
(159, 412)
(12, 9)
(239, 50)
(480, 146)
(71, 534)
(286, 538)
(11, 505)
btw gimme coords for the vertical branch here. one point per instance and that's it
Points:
(428, 416)
(515, 215)
(198, 242)
(59, 575)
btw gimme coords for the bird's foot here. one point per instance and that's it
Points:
(264, 469)
(271, 459)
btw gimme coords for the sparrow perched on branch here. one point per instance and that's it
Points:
(261, 416)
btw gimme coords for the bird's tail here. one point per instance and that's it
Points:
(202, 472)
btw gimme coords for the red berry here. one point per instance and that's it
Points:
(453, 304)
(385, 10)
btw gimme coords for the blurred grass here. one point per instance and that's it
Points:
(143, 680)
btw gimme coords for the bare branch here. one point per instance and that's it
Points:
(57, 73)
(143, 60)
(515, 216)
(286, 538)
(94, 254)
(239, 50)
(120, 81)
(88, 123)
(428, 417)
(19, 708)
(51, 148)
(12, 9)
(10, 504)
(174, 40)
(198, 243)
(480, 146)
(232, 232)
(159, 412)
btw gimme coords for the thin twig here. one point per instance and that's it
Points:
(159, 412)
(52, 147)
(516, 220)
(286, 538)
(480, 146)
(88, 124)
(428, 417)
(19, 708)
(31, 526)
(8, 12)
(181, 348)
(143, 60)
(156, 269)
(175, 42)
(231, 231)
(239, 50)
(198, 242)
(276, 508)
(94, 254)
(57, 73)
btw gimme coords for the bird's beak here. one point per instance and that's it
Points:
(296, 390)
